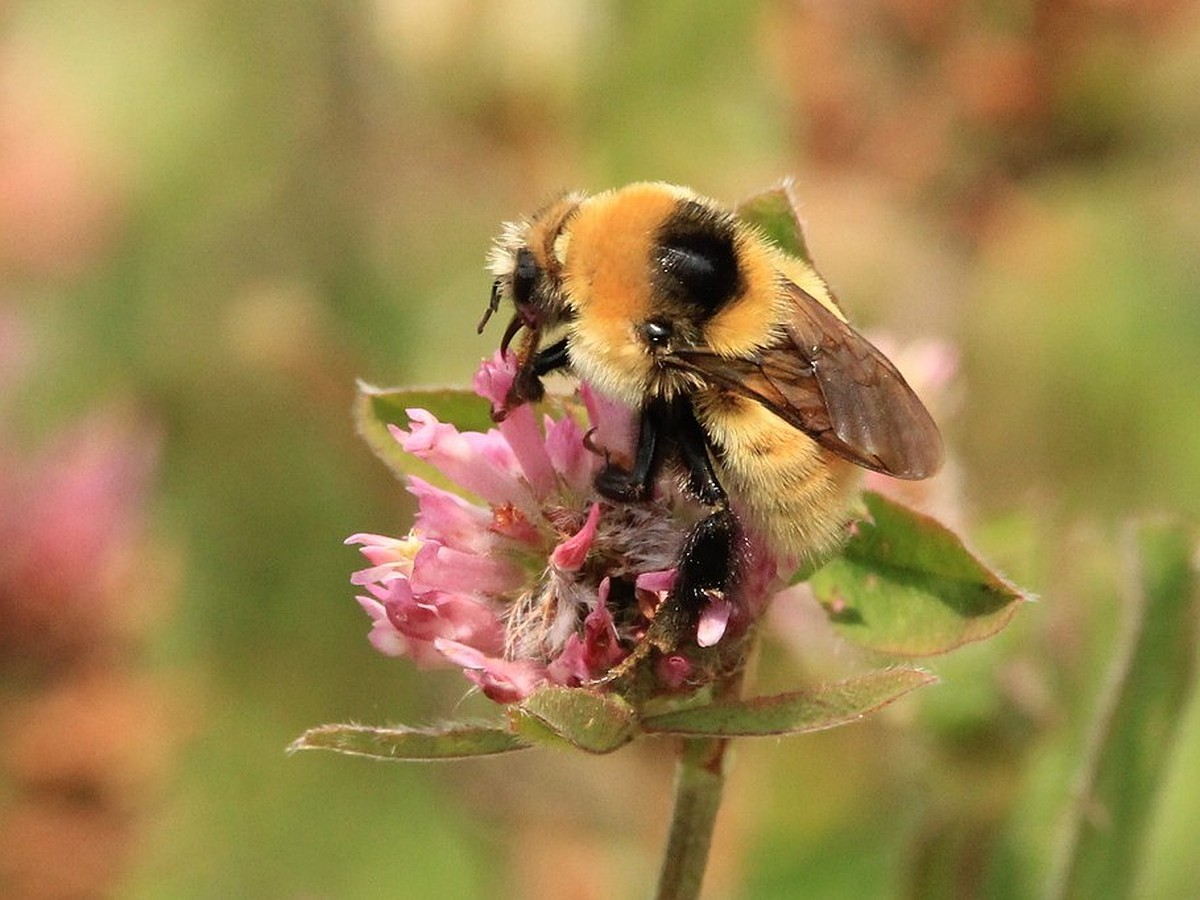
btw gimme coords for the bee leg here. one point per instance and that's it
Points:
(694, 451)
(708, 563)
(707, 571)
(553, 357)
(636, 484)
(707, 566)
(527, 384)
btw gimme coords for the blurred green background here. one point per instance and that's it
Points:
(219, 214)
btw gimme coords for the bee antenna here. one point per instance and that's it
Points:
(493, 305)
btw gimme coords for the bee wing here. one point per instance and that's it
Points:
(830, 382)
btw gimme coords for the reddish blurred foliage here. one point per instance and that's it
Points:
(83, 758)
(952, 102)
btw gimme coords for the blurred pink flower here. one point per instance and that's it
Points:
(70, 523)
(543, 581)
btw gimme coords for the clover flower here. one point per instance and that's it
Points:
(558, 602)
(539, 579)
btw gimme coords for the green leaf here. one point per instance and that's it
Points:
(377, 408)
(591, 721)
(774, 213)
(456, 741)
(906, 585)
(825, 706)
(1134, 732)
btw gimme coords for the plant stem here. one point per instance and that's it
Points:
(699, 778)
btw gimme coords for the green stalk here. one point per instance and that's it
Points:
(699, 778)
(699, 781)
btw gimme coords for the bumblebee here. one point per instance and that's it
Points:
(742, 368)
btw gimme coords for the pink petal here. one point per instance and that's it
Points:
(570, 668)
(391, 557)
(570, 554)
(410, 617)
(603, 650)
(440, 568)
(493, 379)
(384, 636)
(713, 620)
(427, 617)
(613, 421)
(377, 574)
(387, 640)
(372, 543)
(759, 578)
(481, 463)
(519, 427)
(592, 656)
(575, 464)
(658, 582)
(451, 520)
(501, 680)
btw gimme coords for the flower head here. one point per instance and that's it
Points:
(536, 578)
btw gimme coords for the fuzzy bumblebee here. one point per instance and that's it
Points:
(746, 377)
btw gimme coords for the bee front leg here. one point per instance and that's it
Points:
(527, 383)
(553, 357)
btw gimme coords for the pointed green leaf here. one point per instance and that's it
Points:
(591, 721)
(774, 213)
(905, 585)
(377, 408)
(456, 741)
(1148, 689)
(825, 706)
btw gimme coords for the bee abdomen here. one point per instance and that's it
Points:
(793, 493)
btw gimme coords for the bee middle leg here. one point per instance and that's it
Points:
(630, 486)
(708, 561)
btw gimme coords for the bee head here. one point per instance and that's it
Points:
(526, 261)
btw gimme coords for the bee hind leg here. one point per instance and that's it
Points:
(707, 569)
(708, 561)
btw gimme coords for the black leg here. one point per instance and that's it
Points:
(527, 384)
(708, 569)
(707, 563)
(694, 450)
(615, 483)
(553, 357)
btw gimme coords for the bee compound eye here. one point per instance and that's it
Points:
(524, 276)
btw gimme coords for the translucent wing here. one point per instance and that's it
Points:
(830, 382)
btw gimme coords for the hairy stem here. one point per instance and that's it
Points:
(699, 778)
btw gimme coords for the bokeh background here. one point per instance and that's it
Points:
(216, 214)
